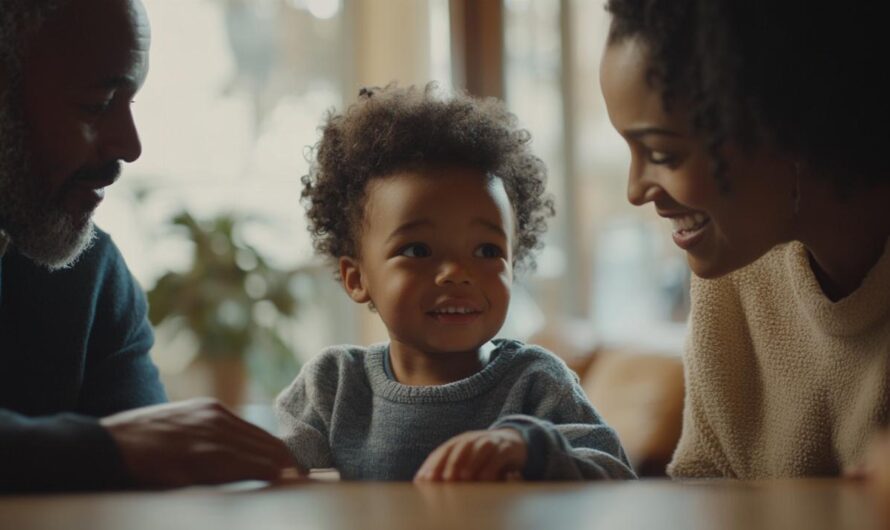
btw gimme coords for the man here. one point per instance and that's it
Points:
(74, 338)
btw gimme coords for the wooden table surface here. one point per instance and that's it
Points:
(804, 504)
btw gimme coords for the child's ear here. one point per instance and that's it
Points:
(353, 282)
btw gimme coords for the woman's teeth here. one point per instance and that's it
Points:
(689, 223)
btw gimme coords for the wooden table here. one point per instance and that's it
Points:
(804, 504)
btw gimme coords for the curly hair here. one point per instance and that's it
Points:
(803, 78)
(393, 129)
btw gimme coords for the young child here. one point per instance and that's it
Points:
(426, 203)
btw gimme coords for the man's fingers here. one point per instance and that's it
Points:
(219, 423)
(257, 440)
(219, 466)
(211, 422)
(272, 450)
(195, 442)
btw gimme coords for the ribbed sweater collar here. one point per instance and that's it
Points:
(853, 314)
(468, 388)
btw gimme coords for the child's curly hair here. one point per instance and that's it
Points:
(394, 129)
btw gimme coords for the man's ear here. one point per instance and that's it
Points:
(352, 280)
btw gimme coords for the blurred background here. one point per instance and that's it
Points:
(210, 222)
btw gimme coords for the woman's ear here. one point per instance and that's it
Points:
(352, 280)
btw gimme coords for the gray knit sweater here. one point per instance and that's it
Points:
(343, 411)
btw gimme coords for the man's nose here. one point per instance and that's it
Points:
(121, 138)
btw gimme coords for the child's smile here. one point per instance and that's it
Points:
(436, 261)
(456, 311)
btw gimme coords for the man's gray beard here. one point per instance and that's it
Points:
(37, 225)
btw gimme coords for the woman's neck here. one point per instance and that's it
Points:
(414, 367)
(845, 236)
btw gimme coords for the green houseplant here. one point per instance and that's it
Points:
(232, 301)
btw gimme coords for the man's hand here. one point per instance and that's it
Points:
(194, 442)
(476, 455)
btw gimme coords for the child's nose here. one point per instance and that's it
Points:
(452, 271)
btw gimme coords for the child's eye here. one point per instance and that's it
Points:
(488, 250)
(415, 250)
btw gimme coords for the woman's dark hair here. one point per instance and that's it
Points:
(803, 77)
(394, 129)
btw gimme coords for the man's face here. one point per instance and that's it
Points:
(66, 125)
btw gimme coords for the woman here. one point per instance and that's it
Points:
(759, 129)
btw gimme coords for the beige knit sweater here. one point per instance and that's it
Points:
(782, 382)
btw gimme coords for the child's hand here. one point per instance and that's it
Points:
(476, 455)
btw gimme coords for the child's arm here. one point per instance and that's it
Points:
(302, 423)
(571, 444)
(562, 438)
(565, 436)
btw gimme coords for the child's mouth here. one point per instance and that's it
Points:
(454, 315)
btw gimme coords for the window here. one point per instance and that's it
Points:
(605, 262)
(236, 92)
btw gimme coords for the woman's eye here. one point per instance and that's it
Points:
(660, 157)
(489, 250)
(415, 250)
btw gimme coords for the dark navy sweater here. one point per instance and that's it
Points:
(73, 347)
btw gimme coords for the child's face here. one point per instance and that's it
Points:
(436, 258)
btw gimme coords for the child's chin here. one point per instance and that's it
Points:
(457, 346)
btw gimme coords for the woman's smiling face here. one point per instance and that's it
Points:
(720, 231)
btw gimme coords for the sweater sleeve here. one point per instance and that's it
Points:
(695, 456)
(60, 452)
(77, 344)
(119, 374)
(716, 326)
(304, 411)
(567, 439)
